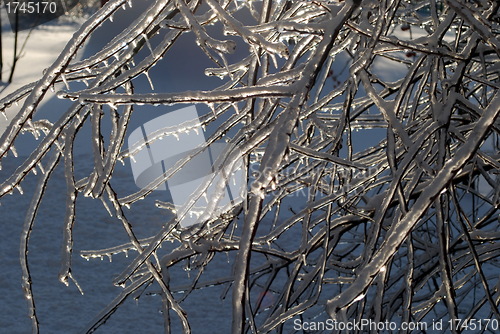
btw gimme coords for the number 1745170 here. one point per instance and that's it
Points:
(474, 324)
(31, 7)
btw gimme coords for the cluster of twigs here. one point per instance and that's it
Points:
(403, 230)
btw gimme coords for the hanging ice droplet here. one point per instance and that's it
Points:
(176, 135)
(129, 3)
(146, 73)
(127, 206)
(212, 107)
(148, 44)
(14, 151)
(40, 167)
(18, 187)
(63, 77)
(273, 58)
(106, 207)
(29, 123)
(111, 18)
(235, 107)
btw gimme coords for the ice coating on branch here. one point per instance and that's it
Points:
(358, 128)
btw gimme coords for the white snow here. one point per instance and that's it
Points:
(40, 48)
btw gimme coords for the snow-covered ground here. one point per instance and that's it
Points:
(63, 309)
(37, 50)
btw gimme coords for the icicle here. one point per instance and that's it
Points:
(110, 257)
(106, 207)
(129, 3)
(4, 114)
(212, 107)
(235, 106)
(111, 18)
(148, 44)
(18, 187)
(256, 52)
(76, 283)
(39, 165)
(29, 123)
(176, 135)
(127, 206)
(14, 151)
(33, 170)
(275, 62)
(124, 7)
(304, 259)
(63, 77)
(85, 82)
(149, 80)
(64, 280)
(132, 158)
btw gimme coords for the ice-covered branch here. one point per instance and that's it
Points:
(366, 134)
